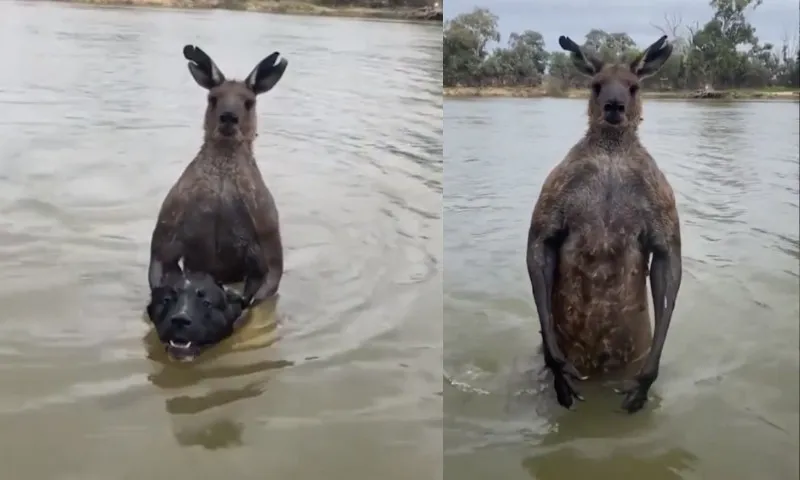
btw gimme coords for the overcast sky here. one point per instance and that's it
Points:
(773, 19)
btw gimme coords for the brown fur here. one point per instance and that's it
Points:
(602, 211)
(220, 217)
(610, 203)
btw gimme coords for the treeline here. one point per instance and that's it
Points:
(382, 4)
(723, 53)
(376, 3)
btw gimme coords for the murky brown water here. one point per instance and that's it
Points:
(726, 403)
(99, 117)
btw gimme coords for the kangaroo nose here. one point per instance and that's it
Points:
(614, 106)
(180, 321)
(229, 118)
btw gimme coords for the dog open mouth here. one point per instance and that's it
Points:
(182, 351)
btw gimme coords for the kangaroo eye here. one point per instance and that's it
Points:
(596, 87)
(634, 89)
(248, 104)
(212, 101)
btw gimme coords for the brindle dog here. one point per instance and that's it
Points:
(602, 212)
(219, 217)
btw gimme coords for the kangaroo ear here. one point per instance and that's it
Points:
(586, 63)
(266, 74)
(204, 71)
(652, 59)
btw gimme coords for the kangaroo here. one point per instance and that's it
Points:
(220, 218)
(602, 212)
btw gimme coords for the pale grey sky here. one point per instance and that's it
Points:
(773, 19)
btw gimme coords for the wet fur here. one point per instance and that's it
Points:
(601, 213)
(613, 207)
(222, 305)
(210, 311)
(220, 217)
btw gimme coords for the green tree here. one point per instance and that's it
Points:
(609, 47)
(522, 62)
(562, 73)
(717, 55)
(465, 39)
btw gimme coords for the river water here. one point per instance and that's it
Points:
(726, 403)
(340, 379)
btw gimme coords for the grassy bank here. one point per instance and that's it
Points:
(292, 7)
(541, 92)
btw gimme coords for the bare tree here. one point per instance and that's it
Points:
(673, 28)
(672, 23)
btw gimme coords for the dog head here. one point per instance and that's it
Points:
(191, 311)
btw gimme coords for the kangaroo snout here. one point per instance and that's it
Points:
(228, 118)
(614, 111)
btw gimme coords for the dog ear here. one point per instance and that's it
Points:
(150, 309)
(157, 304)
(154, 304)
(233, 311)
(234, 304)
(155, 274)
(231, 295)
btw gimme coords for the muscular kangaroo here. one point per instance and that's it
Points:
(602, 213)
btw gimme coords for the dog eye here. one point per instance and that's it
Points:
(162, 296)
(203, 297)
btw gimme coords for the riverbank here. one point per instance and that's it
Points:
(542, 92)
(290, 7)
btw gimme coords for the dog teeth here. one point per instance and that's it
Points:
(173, 343)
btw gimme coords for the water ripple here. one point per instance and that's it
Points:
(732, 351)
(350, 144)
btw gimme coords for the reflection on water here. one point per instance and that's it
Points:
(184, 386)
(341, 374)
(671, 465)
(726, 401)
